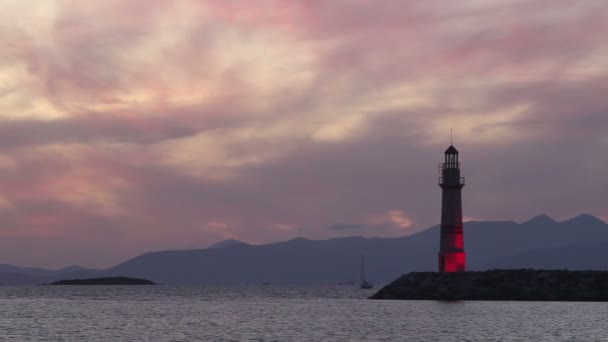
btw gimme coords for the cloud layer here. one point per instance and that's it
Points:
(128, 126)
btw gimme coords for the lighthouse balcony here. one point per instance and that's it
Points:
(451, 181)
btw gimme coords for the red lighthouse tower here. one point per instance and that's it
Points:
(451, 251)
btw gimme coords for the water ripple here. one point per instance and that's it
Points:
(273, 313)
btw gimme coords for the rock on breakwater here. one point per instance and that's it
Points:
(524, 284)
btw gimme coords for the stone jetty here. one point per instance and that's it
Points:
(516, 285)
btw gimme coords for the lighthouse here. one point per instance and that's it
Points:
(451, 251)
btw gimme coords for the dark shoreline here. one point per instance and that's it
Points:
(105, 281)
(500, 285)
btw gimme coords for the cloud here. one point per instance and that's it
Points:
(195, 121)
(345, 227)
(399, 219)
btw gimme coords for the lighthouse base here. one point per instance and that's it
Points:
(452, 261)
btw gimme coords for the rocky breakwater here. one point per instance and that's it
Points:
(523, 285)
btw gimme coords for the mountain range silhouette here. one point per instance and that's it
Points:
(580, 243)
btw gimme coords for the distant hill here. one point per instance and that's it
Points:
(104, 281)
(25, 271)
(226, 243)
(541, 242)
(302, 261)
(590, 256)
(10, 274)
(496, 244)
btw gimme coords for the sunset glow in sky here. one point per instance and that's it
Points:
(135, 125)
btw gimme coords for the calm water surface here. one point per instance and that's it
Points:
(271, 313)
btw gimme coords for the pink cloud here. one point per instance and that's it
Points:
(103, 94)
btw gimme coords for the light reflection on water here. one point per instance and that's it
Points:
(279, 313)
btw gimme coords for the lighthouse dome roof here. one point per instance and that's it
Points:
(451, 150)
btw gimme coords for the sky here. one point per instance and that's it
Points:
(129, 126)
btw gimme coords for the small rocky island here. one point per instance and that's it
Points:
(105, 281)
(517, 285)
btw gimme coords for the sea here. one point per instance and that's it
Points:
(280, 313)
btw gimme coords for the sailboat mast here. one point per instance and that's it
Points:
(362, 269)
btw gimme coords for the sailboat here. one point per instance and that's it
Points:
(364, 283)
